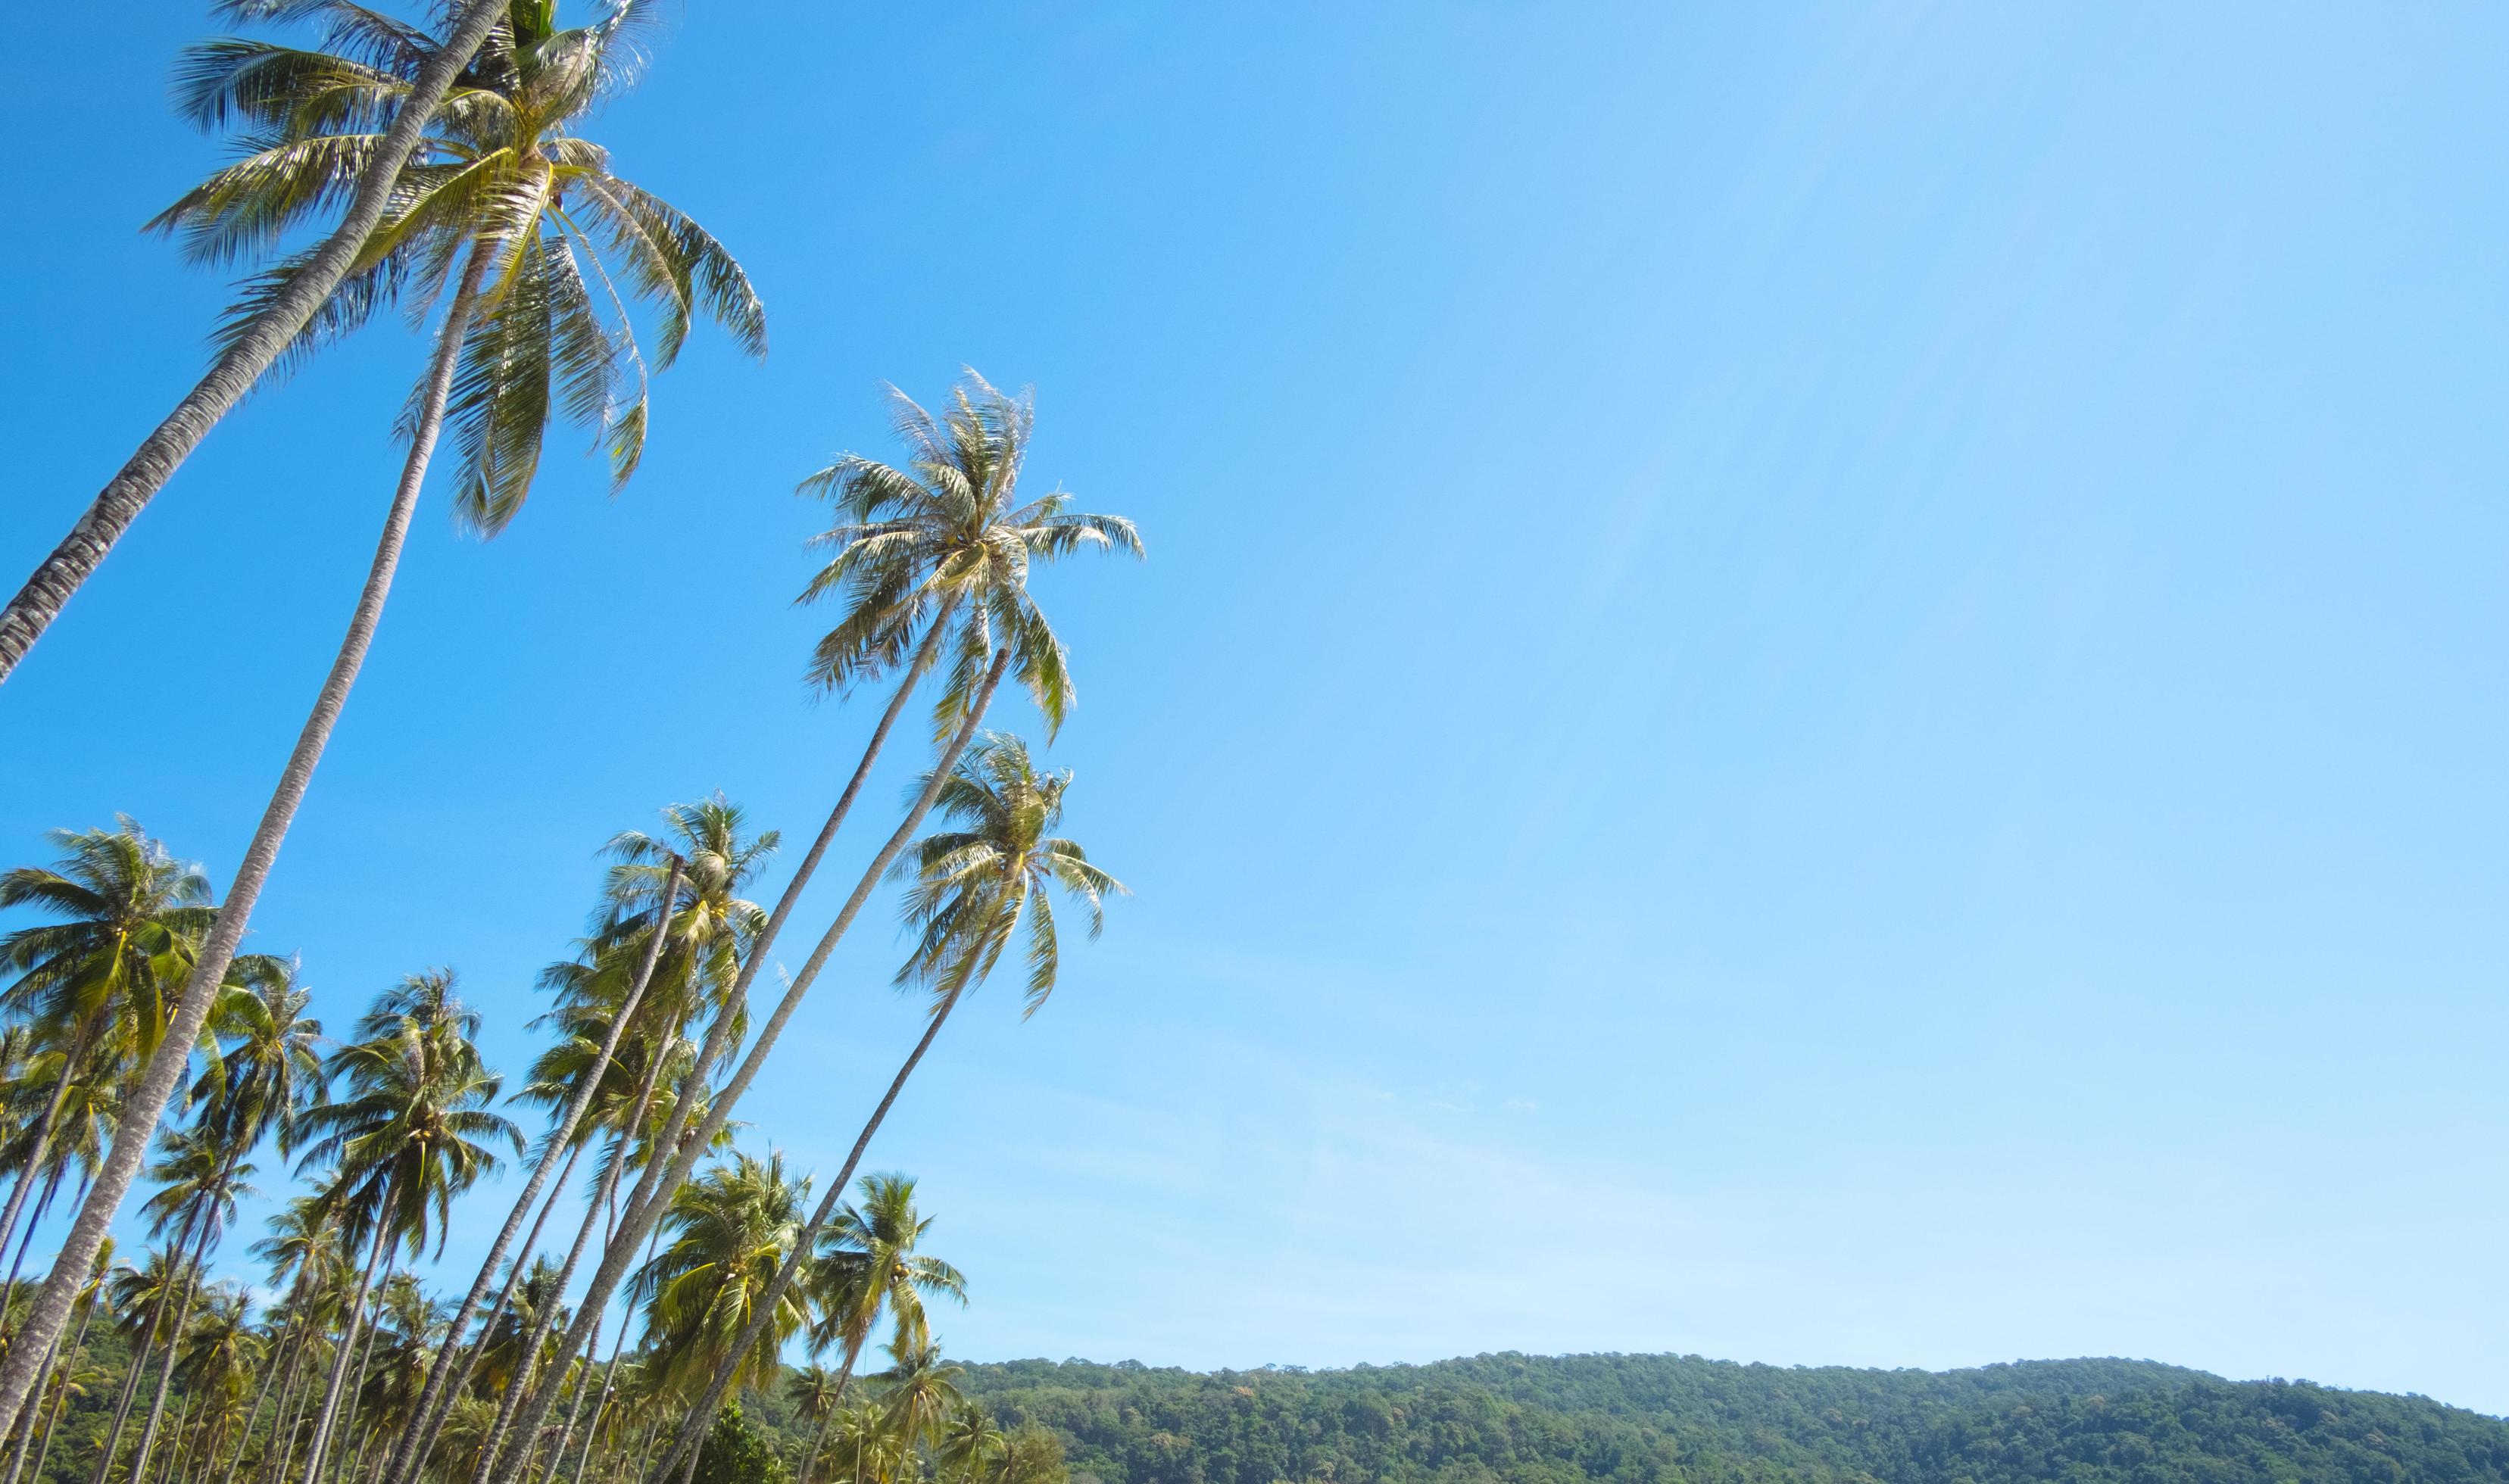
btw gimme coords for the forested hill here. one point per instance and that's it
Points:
(1681, 1420)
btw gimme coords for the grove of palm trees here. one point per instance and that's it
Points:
(656, 1258)
(1808, 790)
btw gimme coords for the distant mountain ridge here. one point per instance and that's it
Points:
(1684, 1420)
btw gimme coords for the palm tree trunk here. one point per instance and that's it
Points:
(43, 1203)
(26, 1435)
(414, 1441)
(692, 1429)
(357, 1388)
(652, 1190)
(37, 1149)
(818, 1440)
(190, 1275)
(140, 1358)
(78, 1354)
(269, 1374)
(315, 1449)
(609, 1375)
(282, 1443)
(147, 1102)
(245, 360)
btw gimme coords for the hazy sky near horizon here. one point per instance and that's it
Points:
(1818, 684)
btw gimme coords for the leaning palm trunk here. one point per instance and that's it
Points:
(147, 1103)
(26, 1433)
(414, 1441)
(717, 1036)
(279, 1375)
(78, 1352)
(43, 1203)
(653, 1188)
(38, 1147)
(358, 1386)
(325, 1421)
(190, 1277)
(140, 1357)
(693, 1428)
(609, 1375)
(246, 358)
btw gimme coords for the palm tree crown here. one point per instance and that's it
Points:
(948, 540)
(975, 886)
(569, 243)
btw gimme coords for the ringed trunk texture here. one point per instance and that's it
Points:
(692, 1429)
(411, 1448)
(653, 1192)
(243, 363)
(147, 1102)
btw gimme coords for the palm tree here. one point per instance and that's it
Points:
(730, 1229)
(974, 889)
(262, 1081)
(252, 346)
(932, 556)
(410, 1133)
(69, 1380)
(970, 1444)
(305, 1260)
(504, 209)
(98, 984)
(868, 1265)
(921, 1390)
(441, 1385)
(201, 1173)
(140, 1298)
(813, 1391)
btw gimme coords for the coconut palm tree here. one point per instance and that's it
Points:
(260, 1082)
(259, 340)
(931, 557)
(868, 1268)
(578, 1095)
(140, 1297)
(541, 247)
(411, 1132)
(728, 1232)
(919, 1390)
(970, 1445)
(813, 1391)
(98, 984)
(975, 889)
(202, 1174)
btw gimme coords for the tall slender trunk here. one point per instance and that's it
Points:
(192, 1275)
(69, 1372)
(141, 1354)
(358, 1386)
(648, 1206)
(43, 1203)
(246, 358)
(282, 1443)
(610, 1373)
(26, 1433)
(818, 1440)
(37, 1149)
(642, 1205)
(323, 1422)
(147, 1102)
(174, 1459)
(276, 1374)
(413, 1441)
(692, 1429)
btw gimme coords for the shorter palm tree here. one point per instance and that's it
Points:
(918, 1392)
(731, 1230)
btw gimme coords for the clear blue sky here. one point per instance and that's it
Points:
(1817, 684)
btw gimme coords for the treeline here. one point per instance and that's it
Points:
(1681, 1420)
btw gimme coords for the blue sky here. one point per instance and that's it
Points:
(1817, 684)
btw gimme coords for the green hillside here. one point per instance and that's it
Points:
(1681, 1420)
